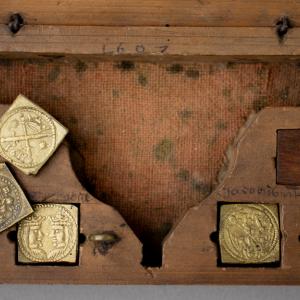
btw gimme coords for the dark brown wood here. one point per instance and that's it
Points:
(288, 158)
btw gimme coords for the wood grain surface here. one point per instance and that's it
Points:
(152, 43)
(190, 255)
(192, 13)
(288, 159)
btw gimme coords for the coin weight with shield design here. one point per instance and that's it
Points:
(29, 135)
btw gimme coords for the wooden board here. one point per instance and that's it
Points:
(190, 256)
(288, 162)
(250, 177)
(192, 13)
(152, 43)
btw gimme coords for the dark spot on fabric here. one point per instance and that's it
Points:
(80, 66)
(183, 175)
(226, 92)
(163, 151)
(105, 197)
(142, 79)
(284, 94)
(260, 103)
(231, 65)
(130, 174)
(126, 65)
(185, 114)
(175, 68)
(99, 131)
(104, 241)
(5, 62)
(201, 187)
(262, 71)
(55, 98)
(36, 61)
(73, 120)
(221, 125)
(115, 93)
(191, 73)
(212, 141)
(54, 73)
(165, 228)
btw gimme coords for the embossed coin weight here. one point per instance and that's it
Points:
(13, 203)
(49, 235)
(249, 234)
(29, 135)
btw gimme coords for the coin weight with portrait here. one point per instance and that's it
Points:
(49, 235)
(14, 205)
(249, 233)
(29, 135)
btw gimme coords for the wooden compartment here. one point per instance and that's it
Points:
(153, 93)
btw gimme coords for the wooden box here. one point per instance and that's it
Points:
(153, 93)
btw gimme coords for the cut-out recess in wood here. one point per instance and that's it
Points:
(288, 158)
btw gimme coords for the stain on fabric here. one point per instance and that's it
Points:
(163, 151)
(80, 66)
(115, 93)
(5, 62)
(175, 69)
(142, 79)
(126, 65)
(226, 92)
(260, 103)
(191, 73)
(73, 120)
(221, 125)
(55, 97)
(201, 187)
(183, 175)
(185, 114)
(54, 73)
(165, 228)
(284, 94)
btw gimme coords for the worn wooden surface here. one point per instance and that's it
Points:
(152, 43)
(288, 158)
(152, 12)
(190, 255)
(121, 264)
(251, 177)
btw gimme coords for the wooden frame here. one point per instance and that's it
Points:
(158, 31)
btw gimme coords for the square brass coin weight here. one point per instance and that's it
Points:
(249, 233)
(13, 203)
(29, 135)
(49, 235)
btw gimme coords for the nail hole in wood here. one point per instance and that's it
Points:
(82, 238)
(214, 237)
(12, 236)
(15, 23)
(282, 27)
